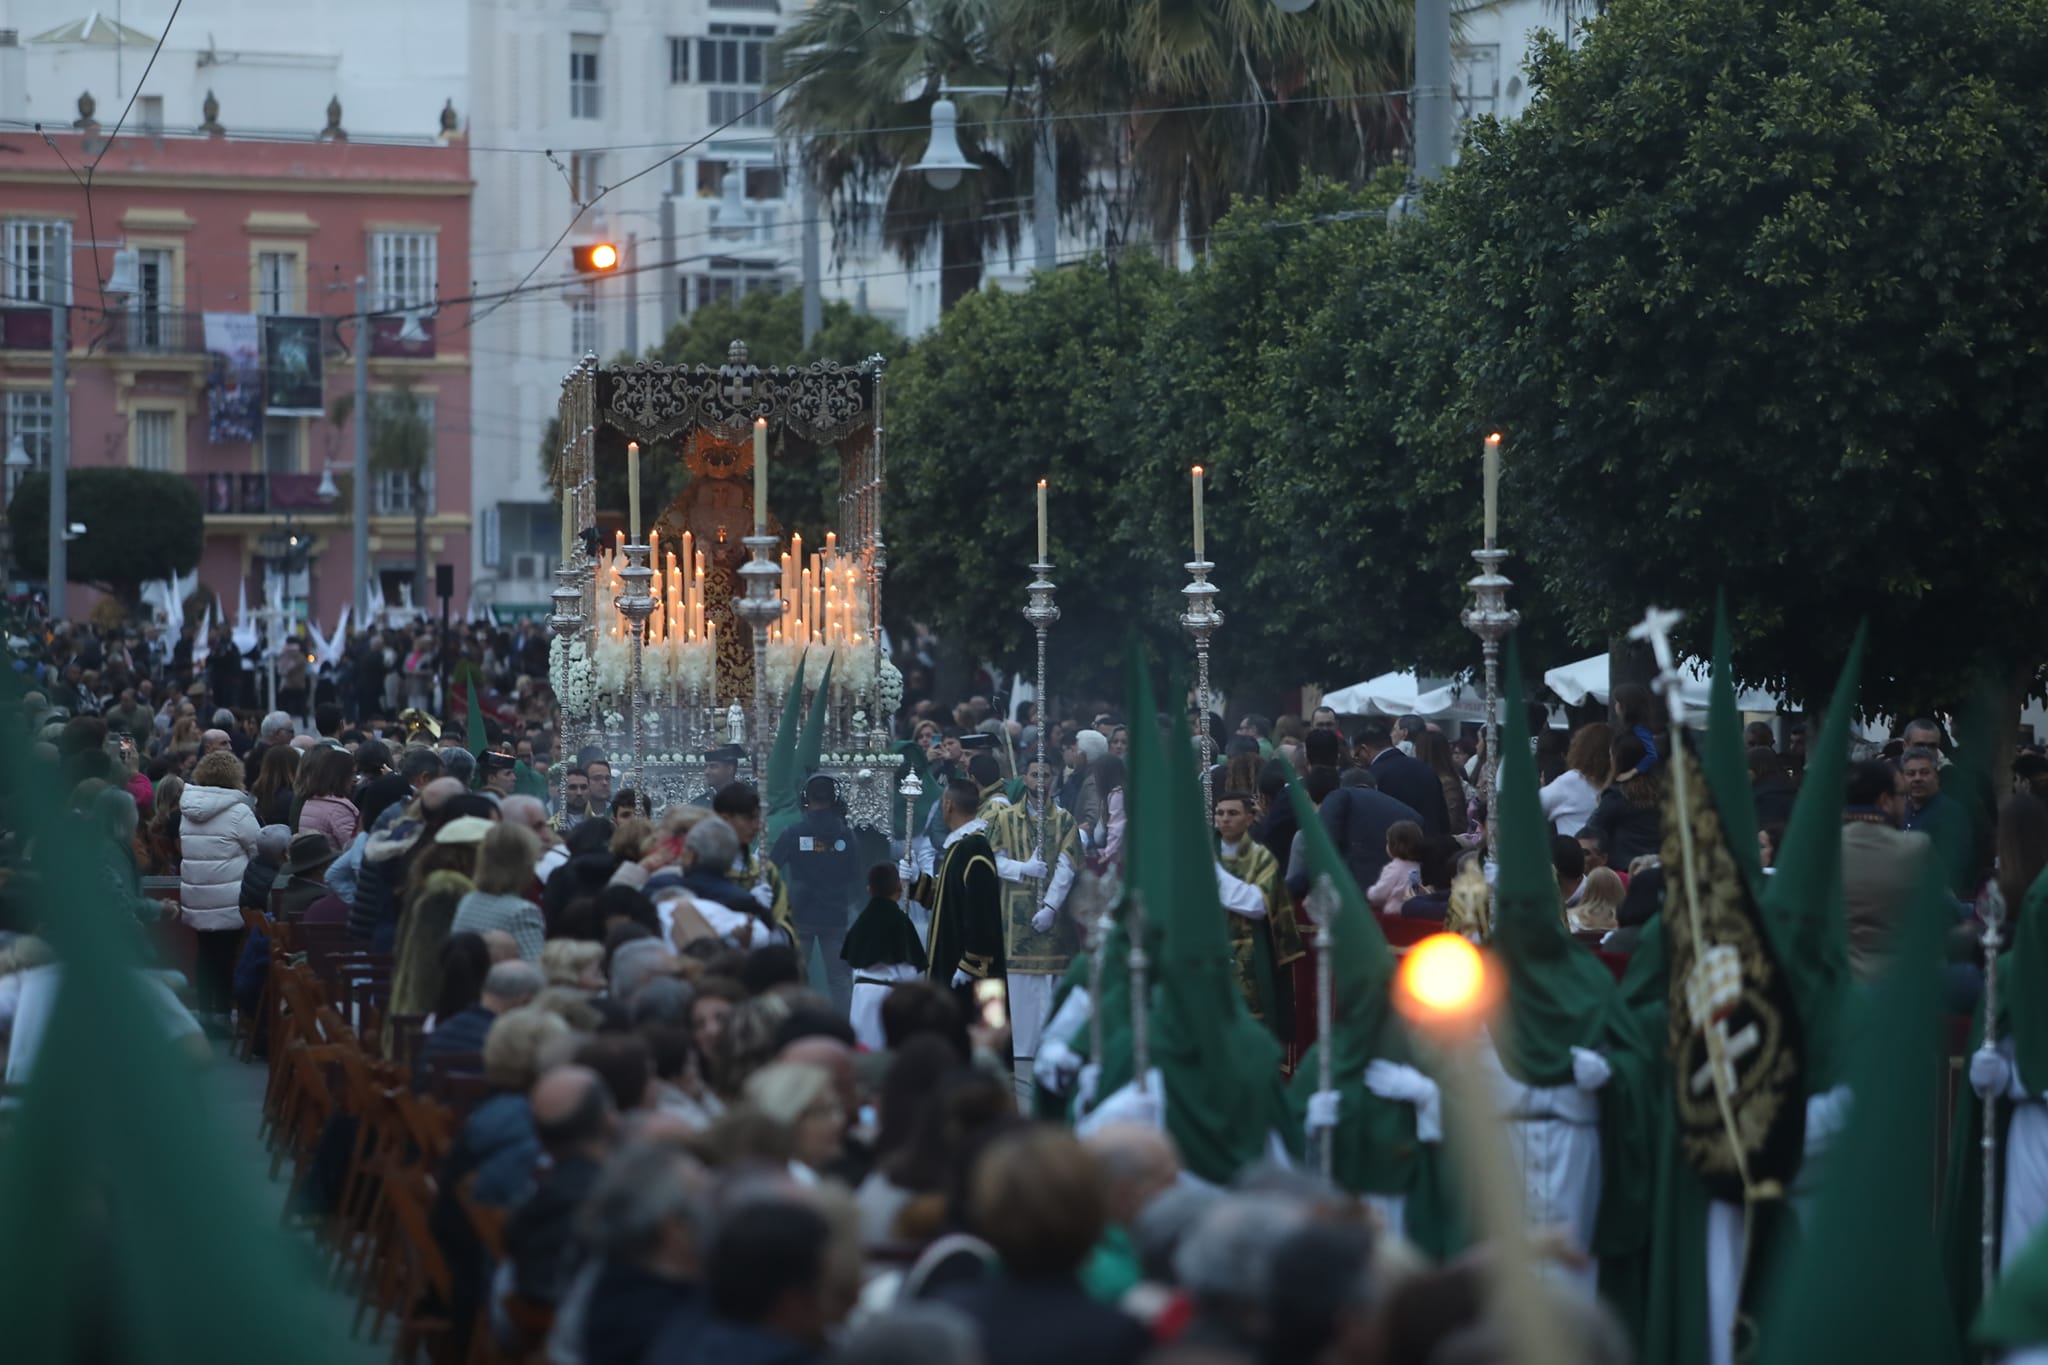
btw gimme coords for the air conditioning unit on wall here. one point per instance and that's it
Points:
(530, 566)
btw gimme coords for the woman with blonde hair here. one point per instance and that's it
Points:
(1568, 801)
(1599, 902)
(217, 835)
(799, 1099)
(504, 865)
(435, 885)
(573, 962)
(158, 841)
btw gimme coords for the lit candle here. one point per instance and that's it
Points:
(760, 476)
(633, 488)
(1492, 466)
(1041, 521)
(1198, 513)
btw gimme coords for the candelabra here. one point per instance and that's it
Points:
(1490, 618)
(1201, 619)
(1041, 613)
(1993, 913)
(760, 607)
(636, 605)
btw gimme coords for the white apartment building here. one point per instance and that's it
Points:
(663, 102)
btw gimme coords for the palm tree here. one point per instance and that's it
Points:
(1164, 109)
(859, 103)
(1234, 97)
(402, 442)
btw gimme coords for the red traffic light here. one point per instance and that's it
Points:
(596, 258)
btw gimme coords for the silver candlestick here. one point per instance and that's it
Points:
(910, 789)
(1201, 620)
(1490, 618)
(1993, 913)
(760, 607)
(1041, 613)
(567, 623)
(636, 605)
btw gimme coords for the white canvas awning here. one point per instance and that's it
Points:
(1576, 682)
(1405, 694)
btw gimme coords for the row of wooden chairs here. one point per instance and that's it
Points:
(325, 1008)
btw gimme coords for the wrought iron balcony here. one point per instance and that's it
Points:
(230, 494)
(151, 332)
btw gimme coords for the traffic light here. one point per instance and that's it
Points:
(595, 259)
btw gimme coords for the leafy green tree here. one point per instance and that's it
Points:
(1297, 364)
(1012, 388)
(139, 524)
(1752, 289)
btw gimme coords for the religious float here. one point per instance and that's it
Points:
(687, 638)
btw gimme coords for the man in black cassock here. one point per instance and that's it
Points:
(966, 900)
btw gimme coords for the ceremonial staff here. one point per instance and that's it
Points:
(1201, 620)
(761, 604)
(636, 605)
(1322, 906)
(1041, 613)
(910, 788)
(1490, 618)
(1993, 913)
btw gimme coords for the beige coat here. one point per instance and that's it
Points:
(1880, 875)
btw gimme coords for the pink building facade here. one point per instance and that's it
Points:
(217, 349)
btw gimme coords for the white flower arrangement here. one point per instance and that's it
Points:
(569, 673)
(610, 664)
(889, 689)
(693, 666)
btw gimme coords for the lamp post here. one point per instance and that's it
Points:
(288, 549)
(943, 164)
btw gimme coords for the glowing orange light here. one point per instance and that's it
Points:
(1198, 468)
(604, 256)
(1443, 979)
(1493, 438)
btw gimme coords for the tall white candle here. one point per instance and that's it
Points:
(633, 489)
(1492, 471)
(760, 476)
(1041, 521)
(1198, 514)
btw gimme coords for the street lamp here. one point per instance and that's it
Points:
(943, 163)
(18, 462)
(327, 492)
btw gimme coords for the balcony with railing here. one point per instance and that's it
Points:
(258, 495)
(151, 332)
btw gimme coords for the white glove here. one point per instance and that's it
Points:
(1129, 1105)
(906, 868)
(1392, 1081)
(1990, 1073)
(1010, 870)
(1590, 1070)
(960, 977)
(764, 895)
(1084, 1097)
(1322, 1111)
(1054, 1067)
(1042, 921)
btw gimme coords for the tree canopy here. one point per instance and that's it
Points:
(1752, 290)
(139, 524)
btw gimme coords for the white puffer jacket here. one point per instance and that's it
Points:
(216, 835)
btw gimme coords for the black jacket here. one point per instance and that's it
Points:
(1358, 819)
(821, 861)
(628, 1308)
(1630, 818)
(1025, 1322)
(1415, 785)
